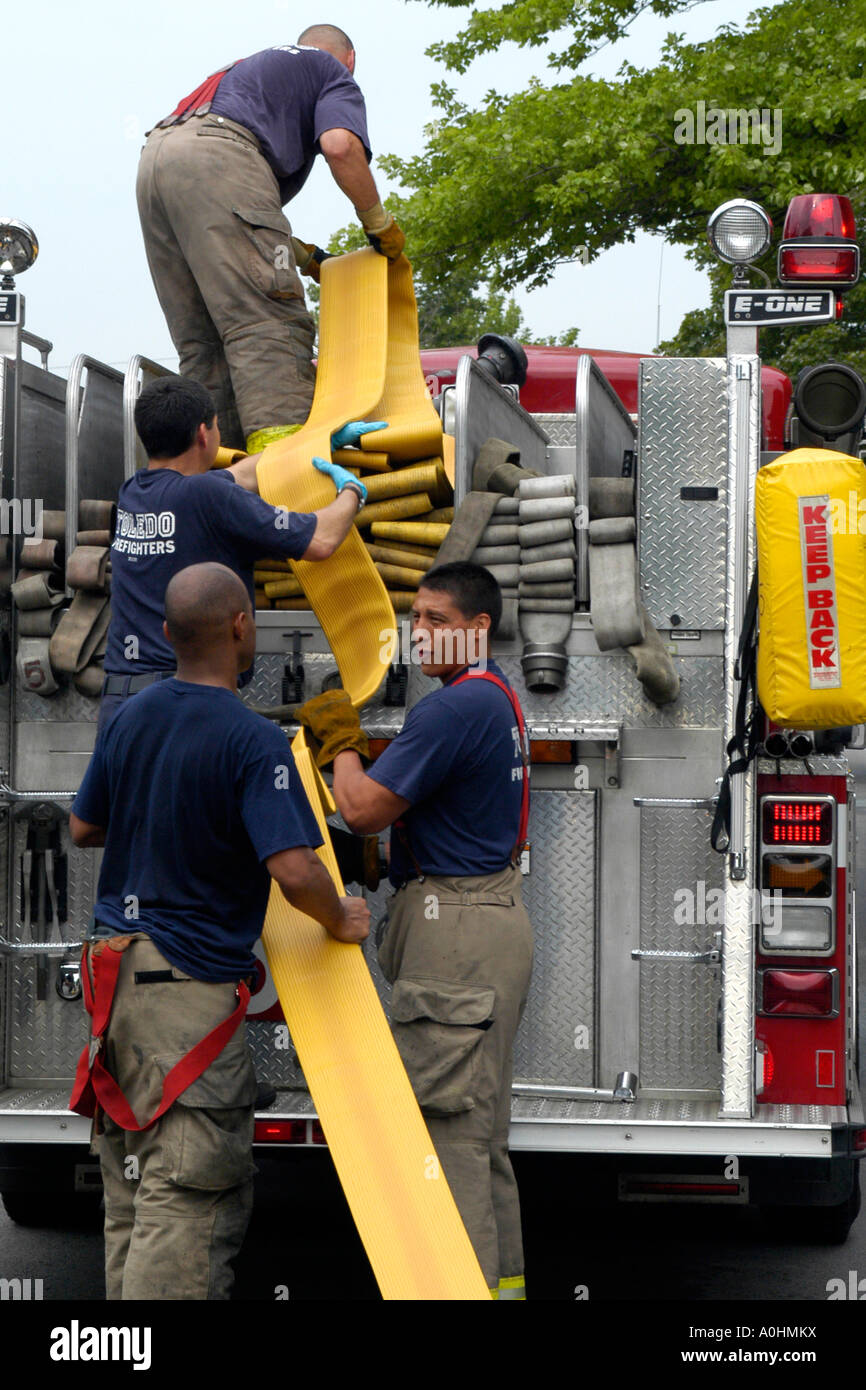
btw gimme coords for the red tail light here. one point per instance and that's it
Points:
(819, 242)
(798, 993)
(280, 1132)
(806, 264)
(289, 1132)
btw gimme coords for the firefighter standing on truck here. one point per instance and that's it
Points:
(458, 945)
(199, 805)
(212, 182)
(180, 511)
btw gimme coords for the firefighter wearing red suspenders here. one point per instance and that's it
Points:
(213, 179)
(199, 806)
(457, 948)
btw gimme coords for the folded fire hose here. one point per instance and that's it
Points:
(399, 1198)
(57, 643)
(619, 619)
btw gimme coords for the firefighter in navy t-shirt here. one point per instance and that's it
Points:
(454, 787)
(198, 803)
(180, 511)
(212, 182)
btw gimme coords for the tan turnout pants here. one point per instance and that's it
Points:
(459, 954)
(220, 253)
(178, 1196)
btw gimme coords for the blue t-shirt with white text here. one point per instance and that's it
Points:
(196, 792)
(288, 97)
(457, 761)
(167, 520)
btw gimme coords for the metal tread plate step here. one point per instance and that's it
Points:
(683, 1126)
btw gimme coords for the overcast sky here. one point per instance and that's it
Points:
(82, 82)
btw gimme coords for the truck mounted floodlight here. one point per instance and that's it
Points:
(18, 250)
(739, 232)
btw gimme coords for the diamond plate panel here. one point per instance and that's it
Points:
(559, 428)
(47, 1035)
(65, 707)
(683, 443)
(559, 895)
(689, 1110)
(681, 881)
(605, 688)
(265, 688)
(275, 1064)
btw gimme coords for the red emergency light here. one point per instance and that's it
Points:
(798, 822)
(819, 242)
(793, 993)
(820, 215)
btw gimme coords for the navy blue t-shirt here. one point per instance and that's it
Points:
(457, 761)
(166, 521)
(196, 792)
(288, 97)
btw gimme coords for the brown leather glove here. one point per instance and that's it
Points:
(382, 231)
(308, 258)
(333, 721)
(389, 242)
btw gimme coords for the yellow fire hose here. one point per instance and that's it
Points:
(398, 1195)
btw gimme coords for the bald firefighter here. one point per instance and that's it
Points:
(199, 805)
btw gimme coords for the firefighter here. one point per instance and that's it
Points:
(212, 182)
(199, 805)
(458, 945)
(179, 511)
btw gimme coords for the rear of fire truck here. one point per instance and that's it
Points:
(691, 1027)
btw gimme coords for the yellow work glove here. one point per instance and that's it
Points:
(382, 231)
(308, 258)
(333, 721)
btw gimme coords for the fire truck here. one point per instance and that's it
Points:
(691, 1031)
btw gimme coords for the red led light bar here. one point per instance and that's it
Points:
(797, 823)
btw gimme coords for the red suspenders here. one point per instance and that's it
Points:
(198, 102)
(400, 825)
(94, 1086)
(524, 753)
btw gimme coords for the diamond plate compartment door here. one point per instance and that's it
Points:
(682, 905)
(682, 491)
(557, 1040)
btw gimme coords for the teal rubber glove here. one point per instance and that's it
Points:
(350, 434)
(342, 478)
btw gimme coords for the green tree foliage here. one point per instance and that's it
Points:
(521, 184)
